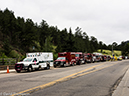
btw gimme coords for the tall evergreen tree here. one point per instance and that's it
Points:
(62, 46)
(87, 43)
(94, 43)
(48, 44)
(70, 42)
(100, 46)
(43, 33)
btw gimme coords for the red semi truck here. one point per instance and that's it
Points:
(65, 59)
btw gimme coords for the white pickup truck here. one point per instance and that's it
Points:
(35, 61)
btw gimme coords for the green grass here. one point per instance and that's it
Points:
(108, 52)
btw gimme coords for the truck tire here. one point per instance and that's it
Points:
(37, 69)
(18, 71)
(73, 64)
(85, 62)
(62, 65)
(55, 65)
(30, 69)
(80, 62)
(48, 67)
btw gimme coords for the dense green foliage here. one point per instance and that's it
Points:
(26, 36)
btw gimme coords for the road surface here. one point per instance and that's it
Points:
(92, 79)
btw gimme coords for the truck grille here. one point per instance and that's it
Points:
(57, 62)
(19, 66)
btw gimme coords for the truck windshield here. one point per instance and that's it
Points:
(61, 58)
(27, 60)
(88, 55)
(77, 55)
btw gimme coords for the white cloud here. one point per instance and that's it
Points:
(107, 20)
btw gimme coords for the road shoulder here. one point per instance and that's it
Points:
(123, 87)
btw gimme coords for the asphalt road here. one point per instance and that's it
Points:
(93, 79)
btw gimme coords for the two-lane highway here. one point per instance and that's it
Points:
(93, 79)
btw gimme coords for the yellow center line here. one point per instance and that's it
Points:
(58, 80)
(95, 70)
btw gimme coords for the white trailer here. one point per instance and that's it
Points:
(35, 61)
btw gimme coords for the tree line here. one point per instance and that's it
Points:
(22, 35)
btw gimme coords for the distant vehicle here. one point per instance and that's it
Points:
(35, 61)
(94, 58)
(79, 58)
(103, 58)
(89, 58)
(98, 58)
(119, 58)
(65, 59)
(126, 57)
(108, 57)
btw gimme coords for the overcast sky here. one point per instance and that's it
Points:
(107, 20)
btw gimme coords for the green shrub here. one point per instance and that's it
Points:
(14, 54)
(55, 55)
(2, 55)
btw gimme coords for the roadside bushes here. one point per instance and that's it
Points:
(14, 54)
(2, 55)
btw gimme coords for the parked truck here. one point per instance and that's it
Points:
(79, 58)
(35, 61)
(89, 58)
(65, 59)
(104, 58)
(97, 57)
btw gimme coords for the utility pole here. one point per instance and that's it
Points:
(112, 49)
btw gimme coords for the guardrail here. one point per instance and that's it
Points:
(8, 61)
(4, 62)
(4, 67)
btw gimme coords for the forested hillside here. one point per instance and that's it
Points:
(18, 36)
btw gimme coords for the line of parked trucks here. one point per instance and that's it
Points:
(44, 60)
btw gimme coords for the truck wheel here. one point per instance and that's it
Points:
(30, 69)
(55, 66)
(37, 69)
(62, 65)
(18, 71)
(73, 64)
(48, 67)
(80, 62)
(85, 62)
